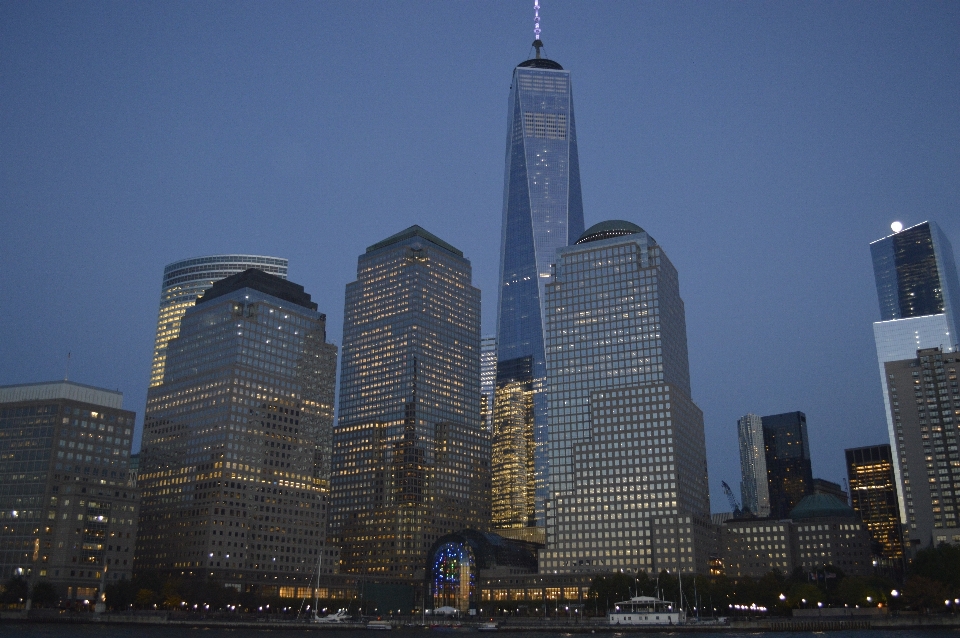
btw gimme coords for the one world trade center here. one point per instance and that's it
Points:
(542, 211)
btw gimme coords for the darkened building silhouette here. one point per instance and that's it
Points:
(789, 474)
(235, 461)
(68, 506)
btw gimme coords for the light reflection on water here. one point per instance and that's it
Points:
(44, 630)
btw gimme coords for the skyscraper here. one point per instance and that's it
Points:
(873, 494)
(542, 211)
(411, 457)
(918, 292)
(628, 467)
(68, 508)
(787, 452)
(754, 489)
(234, 465)
(183, 283)
(925, 396)
(488, 378)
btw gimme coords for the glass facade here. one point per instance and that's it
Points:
(787, 451)
(411, 456)
(488, 378)
(542, 211)
(753, 466)
(918, 293)
(916, 274)
(873, 494)
(628, 477)
(234, 464)
(68, 506)
(183, 283)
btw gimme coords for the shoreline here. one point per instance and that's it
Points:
(509, 626)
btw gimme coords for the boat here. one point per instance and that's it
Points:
(488, 626)
(382, 625)
(340, 616)
(646, 610)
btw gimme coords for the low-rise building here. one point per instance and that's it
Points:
(68, 507)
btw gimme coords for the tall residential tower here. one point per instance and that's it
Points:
(754, 489)
(542, 211)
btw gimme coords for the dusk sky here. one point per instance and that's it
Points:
(763, 144)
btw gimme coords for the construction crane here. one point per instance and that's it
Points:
(732, 499)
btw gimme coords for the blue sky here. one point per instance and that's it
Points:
(763, 144)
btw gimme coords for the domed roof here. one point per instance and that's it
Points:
(821, 506)
(540, 63)
(608, 229)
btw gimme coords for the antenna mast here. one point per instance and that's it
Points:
(537, 43)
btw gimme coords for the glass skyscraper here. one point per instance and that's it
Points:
(754, 489)
(183, 283)
(234, 467)
(411, 456)
(628, 466)
(918, 293)
(542, 211)
(787, 451)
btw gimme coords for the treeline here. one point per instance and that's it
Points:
(932, 578)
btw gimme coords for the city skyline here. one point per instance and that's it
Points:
(818, 149)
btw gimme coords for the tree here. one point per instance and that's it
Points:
(924, 594)
(608, 589)
(14, 591)
(941, 564)
(121, 595)
(44, 594)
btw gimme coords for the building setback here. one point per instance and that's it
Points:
(234, 465)
(411, 456)
(628, 480)
(67, 505)
(918, 293)
(925, 402)
(185, 281)
(873, 494)
(542, 211)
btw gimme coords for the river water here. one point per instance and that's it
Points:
(44, 630)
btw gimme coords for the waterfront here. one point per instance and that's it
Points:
(71, 630)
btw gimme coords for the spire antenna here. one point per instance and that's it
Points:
(537, 43)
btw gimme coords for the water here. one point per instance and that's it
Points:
(41, 630)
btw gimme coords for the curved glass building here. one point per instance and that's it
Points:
(186, 280)
(542, 211)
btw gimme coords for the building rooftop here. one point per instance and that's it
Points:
(608, 229)
(54, 390)
(414, 231)
(821, 506)
(540, 63)
(258, 280)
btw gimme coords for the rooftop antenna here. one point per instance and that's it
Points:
(66, 372)
(537, 43)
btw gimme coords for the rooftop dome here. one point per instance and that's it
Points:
(541, 63)
(608, 229)
(821, 506)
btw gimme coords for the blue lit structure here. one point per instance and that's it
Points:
(542, 211)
